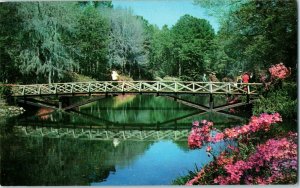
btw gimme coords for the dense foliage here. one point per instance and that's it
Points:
(282, 100)
(5, 91)
(255, 34)
(279, 95)
(49, 40)
(92, 41)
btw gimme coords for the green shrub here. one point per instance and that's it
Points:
(5, 91)
(283, 101)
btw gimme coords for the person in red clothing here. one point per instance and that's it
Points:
(246, 77)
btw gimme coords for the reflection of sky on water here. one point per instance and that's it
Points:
(159, 165)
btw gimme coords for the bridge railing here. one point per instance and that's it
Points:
(136, 87)
(98, 134)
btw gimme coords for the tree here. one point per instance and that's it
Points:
(41, 50)
(256, 34)
(126, 51)
(92, 41)
(96, 4)
(221, 8)
(161, 52)
(10, 23)
(192, 40)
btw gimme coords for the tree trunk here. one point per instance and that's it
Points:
(49, 77)
(179, 69)
(139, 72)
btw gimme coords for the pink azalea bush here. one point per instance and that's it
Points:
(279, 71)
(200, 136)
(275, 161)
(278, 157)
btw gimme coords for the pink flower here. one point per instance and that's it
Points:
(204, 121)
(279, 71)
(208, 148)
(219, 137)
(196, 123)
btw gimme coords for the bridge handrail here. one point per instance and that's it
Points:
(135, 87)
(190, 82)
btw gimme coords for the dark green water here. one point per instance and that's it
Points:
(124, 140)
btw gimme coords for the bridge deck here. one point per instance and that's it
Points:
(104, 87)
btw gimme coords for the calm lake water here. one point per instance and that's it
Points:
(122, 140)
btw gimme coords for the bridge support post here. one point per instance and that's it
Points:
(211, 102)
(59, 105)
(63, 102)
(176, 96)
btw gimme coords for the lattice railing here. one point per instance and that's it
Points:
(94, 134)
(136, 87)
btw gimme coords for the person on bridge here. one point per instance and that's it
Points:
(213, 77)
(246, 77)
(114, 76)
(204, 79)
(239, 77)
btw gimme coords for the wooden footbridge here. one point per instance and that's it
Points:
(170, 89)
(157, 87)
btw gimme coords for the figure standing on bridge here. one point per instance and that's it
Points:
(213, 77)
(239, 77)
(114, 76)
(204, 79)
(246, 77)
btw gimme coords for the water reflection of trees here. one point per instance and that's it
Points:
(44, 161)
(143, 109)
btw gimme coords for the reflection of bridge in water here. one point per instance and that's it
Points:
(102, 134)
(98, 128)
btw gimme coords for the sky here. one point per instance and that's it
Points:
(161, 12)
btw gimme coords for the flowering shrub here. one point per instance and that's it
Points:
(275, 161)
(200, 136)
(279, 71)
(278, 157)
